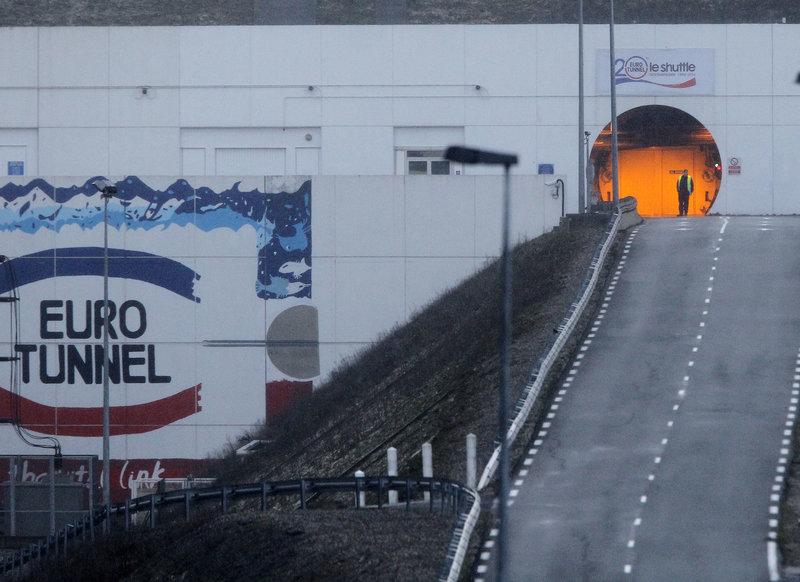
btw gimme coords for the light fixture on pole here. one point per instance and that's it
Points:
(472, 156)
(108, 189)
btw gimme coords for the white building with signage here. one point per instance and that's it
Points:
(283, 199)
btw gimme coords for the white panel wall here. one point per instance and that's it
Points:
(356, 56)
(786, 182)
(490, 53)
(384, 247)
(80, 89)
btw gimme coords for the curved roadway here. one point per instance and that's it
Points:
(663, 454)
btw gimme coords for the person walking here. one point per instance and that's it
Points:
(685, 188)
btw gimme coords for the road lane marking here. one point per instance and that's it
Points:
(780, 480)
(485, 557)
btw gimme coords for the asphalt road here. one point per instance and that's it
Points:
(663, 454)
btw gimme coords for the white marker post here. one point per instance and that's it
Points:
(391, 461)
(472, 460)
(427, 464)
(362, 496)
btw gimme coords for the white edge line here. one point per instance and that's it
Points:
(772, 561)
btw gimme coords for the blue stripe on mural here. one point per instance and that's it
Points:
(124, 264)
(282, 220)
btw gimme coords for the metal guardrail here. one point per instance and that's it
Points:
(536, 380)
(453, 497)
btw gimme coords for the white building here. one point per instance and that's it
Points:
(363, 100)
(234, 148)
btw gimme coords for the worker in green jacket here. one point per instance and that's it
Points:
(685, 188)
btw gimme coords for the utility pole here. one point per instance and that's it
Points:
(614, 144)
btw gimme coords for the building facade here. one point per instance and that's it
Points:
(282, 196)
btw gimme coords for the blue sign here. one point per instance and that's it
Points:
(16, 168)
(546, 169)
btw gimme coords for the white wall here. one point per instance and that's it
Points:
(384, 247)
(381, 248)
(73, 96)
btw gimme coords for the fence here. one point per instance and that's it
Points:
(40, 494)
(445, 495)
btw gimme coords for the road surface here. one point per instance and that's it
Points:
(663, 453)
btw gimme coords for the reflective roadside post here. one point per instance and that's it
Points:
(108, 189)
(473, 156)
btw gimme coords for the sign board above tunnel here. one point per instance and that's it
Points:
(656, 71)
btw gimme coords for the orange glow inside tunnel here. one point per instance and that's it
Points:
(656, 144)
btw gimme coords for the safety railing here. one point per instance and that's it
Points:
(444, 495)
(540, 371)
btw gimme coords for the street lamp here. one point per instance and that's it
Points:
(581, 162)
(108, 189)
(472, 156)
(614, 141)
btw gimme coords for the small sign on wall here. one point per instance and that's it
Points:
(546, 168)
(16, 168)
(734, 165)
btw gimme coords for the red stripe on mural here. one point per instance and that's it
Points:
(282, 394)
(88, 422)
(690, 83)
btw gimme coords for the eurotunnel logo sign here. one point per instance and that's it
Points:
(656, 72)
(185, 263)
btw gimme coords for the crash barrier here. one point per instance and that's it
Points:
(534, 385)
(445, 496)
(542, 368)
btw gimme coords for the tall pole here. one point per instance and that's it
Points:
(581, 160)
(472, 156)
(106, 419)
(505, 381)
(614, 144)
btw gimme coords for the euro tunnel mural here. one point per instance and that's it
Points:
(655, 144)
(212, 327)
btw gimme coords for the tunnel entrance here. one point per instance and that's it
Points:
(655, 143)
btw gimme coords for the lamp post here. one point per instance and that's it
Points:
(581, 160)
(473, 156)
(108, 190)
(614, 143)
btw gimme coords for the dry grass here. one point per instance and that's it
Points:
(432, 380)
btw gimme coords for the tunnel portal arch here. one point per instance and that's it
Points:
(655, 144)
